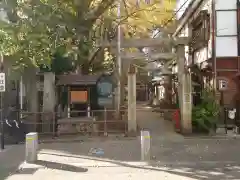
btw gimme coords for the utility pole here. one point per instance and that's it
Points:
(2, 89)
(119, 60)
(214, 45)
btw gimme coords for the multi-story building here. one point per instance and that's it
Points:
(213, 27)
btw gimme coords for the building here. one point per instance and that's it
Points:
(213, 28)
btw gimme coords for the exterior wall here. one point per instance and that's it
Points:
(227, 68)
(227, 61)
(226, 28)
(227, 51)
(205, 52)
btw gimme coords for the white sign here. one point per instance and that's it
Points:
(2, 82)
(231, 114)
(223, 84)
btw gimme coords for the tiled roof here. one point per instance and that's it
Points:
(76, 79)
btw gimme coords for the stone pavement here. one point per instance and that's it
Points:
(188, 159)
(10, 159)
(148, 119)
(158, 127)
(173, 157)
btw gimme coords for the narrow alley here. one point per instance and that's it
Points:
(155, 123)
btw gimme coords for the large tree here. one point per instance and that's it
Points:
(36, 29)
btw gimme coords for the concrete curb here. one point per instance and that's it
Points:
(193, 164)
(221, 137)
(85, 139)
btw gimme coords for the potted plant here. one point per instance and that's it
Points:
(206, 113)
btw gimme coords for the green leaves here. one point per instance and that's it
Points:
(38, 28)
(206, 113)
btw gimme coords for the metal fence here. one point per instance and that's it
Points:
(95, 122)
(42, 122)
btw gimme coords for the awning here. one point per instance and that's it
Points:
(76, 79)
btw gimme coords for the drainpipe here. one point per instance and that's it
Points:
(2, 138)
(238, 28)
(214, 59)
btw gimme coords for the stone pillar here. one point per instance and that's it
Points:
(30, 80)
(132, 121)
(168, 90)
(48, 99)
(184, 91)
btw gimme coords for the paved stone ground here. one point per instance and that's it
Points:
(205, 159)
(159, 128)
(10, 159)
(173, 157)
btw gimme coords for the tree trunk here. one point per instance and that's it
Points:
(85, 68)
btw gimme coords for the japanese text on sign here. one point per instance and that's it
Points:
(2, 82)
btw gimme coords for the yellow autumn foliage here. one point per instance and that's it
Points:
(139, 19)
(145, 17)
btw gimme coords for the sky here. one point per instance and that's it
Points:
(179, 4)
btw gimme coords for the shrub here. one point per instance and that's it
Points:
(206, 113)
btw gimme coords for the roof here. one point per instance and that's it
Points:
(77, 79)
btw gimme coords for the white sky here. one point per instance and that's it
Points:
(179, 4)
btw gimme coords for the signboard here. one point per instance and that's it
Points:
(231, 114)
(105, 91)
(223, 85)
(2, 82)
(187, 98)
(104, 101)
(79, 96)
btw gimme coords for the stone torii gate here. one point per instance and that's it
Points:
(184, 81)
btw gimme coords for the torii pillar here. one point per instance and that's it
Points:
(132, 119)
(184, 91)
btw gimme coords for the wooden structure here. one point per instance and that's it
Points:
(87, 99)
(79, 92)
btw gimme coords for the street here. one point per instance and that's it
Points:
(189, 159)
(172, 156)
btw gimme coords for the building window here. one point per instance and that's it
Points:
(200, 31)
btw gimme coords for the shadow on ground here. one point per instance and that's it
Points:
(10, 159)
(40, 164)
(172, 157)
(191, 159)
(200, 171)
